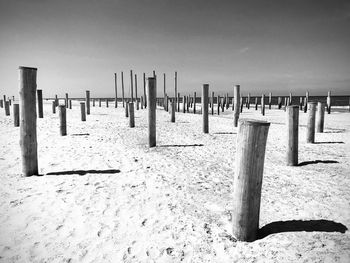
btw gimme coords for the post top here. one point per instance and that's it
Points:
(253, 122)
(22, 67)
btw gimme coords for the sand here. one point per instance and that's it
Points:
(106, 197)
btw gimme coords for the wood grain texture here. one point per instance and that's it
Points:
(292, 125)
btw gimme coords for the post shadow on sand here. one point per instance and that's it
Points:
(224, 132)
(181, 145)
(300, 225)
(317, 161)
(328, 142)
(84, 172)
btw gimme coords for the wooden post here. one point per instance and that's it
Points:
(123, 99)
(173, 105)
(178, 102)
(144, 91)
(228, 102)
(93, 102)
(205, 96)
(63, 119)
(279, 103)
(212, 103)
(131, 86)
(184, 104)
(241, 103)
(320, 117)
(56, 100)
(70, 103)
(285, 103)
(236, 101)
(40, 103)
(53, 107)
(9, 100)
(127, 109)
(4, 99)
(329, 102)
(306, 100)
(151, 102)
(256, 103)
(16, 114)
(87, 102)
(141, 102)
(310, 130)
(263, 105)
(82, 111)
(135, 88)
(194, 102)
(131, 115)
(176, 99)
(218, 105)
(293, 135)
(223, 104)
(115, 90)
(270, 100)
(28, 136)
(99, 102)
(107, 103)
(7, 108)
(300, 103)
(1, 103)
(250, 156)
(248, 101)
(290, 99)
(66, 101)
(164, 86)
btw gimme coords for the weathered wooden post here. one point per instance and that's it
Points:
(329, 102)
(93, 102)
(176, 98)
(248, 101)
(66, 101)
(1, 103)
(310, 130)
(7, 108)
(285, 103)
(82, 111)
(16, 114)
(320, 117)
(142, 103)
(63, 119)
(131, 86)
(263, 105)
(87, 102)
(188, 98)
(136, 98)
(301, 103)
(115, 90)
(223, 104)
(127, 109)
(293, 135)
(228, 102)
(56, 100)
(250, 157)
(151, 102)
(279, 103)
(173, 105)
(184, 104)
(290, 99)
(306, 100)
(123, 99)
(178, 102)
(53, 107)
(218, 104)
(131, 115)
(70, 103)
(4, 99)
(28, 137)
(40, 103)
(241, 103)
(194, 102)
(144, 91)
(236, 102)
(99, 102)
(256, 103)
(107, 103)
(9, 100)
(205, 96)
(270, 100)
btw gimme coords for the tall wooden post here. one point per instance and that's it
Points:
(164, 84)
(87, 102)
(7, 108)
(131, 115)
(53, 107)
(40, 103)
(123, 99)
(250, 157)
(142, 103)
(270, 100)
(173, 105)
(115, 90)
(263, 105)
(82, 111)
(63, 119)
(66, 101)
(131, 86)
(151, 102)
(136, 98)
(329, 102)
(16, 114)
(236, 101)
(205, 97)
(310, 130)
(293, 135)
(144, 90)
(28, 136)
(320, 117)
(176, 98)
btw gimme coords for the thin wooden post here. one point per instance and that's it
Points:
(218, 105)
(87, 102)
(329, 103)
(53, 106)
(28, 136)
(56, 100)
(263, 105)
(131, 86)
(99, 102)
(270, 100)
(293, 135)
(248, 101)
(183, 104)
(66, 101)
(236, 101)
(123, 99)
(144, 90)
(212, 103)
(241, 103)
(136, 98)
(127, 109)
(1, 103)
(178, 102)
(4, 98)
(7, 108)
(250, 156)
(320, 117)
(141, 102)
(310, 130)
(40, 103)
(115, 90)
(70, 104)
(63, 119)
(306, 101)
(173, 105)
(131, 115)
(16, 114)
(82, 111)
(228, 102)
(290, 99)
(107, 103)
(93, 102)
(9, 100)
(164, 84)
(279, 103)
(194, 102)
(151, 102)
(176, 98)
(205, 96)
(256, 103)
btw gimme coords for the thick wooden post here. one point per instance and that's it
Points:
(4, 98)
(279, 103)
(131, 115)
(28, 136)
(301, 103)
(87, 102)
(310, 130)
(40, 103)
(223, 104)
(16, 114)
(293, 135)
(237, 106)
(329, 103)
(173, 105)
(205, 97)
(53, 107)
(82, 111)
(127, 109)
(250, 157)
(115, 90)
(123, 99)
(66, 101)
(320, 117)
(63, 119)
(270, 100)
(151, 102)
(228, 102)
(7, 108)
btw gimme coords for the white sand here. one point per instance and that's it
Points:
(167, 204)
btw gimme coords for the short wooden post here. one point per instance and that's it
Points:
(279, 103)
(256, 103)
(205, 96)
(93, 102)
(194, 102)
(40, 103)
(172, 118)
(123, 99)
(16, 114)
(28, 136)
(151, 102)
(178, 102)
(301, 103)
(82, 111)
(7, 108)
(87, 102)
(131, 115)
(293, 135)
(212, 103)
(1, 103)
(250, 156)
(53, 106)
(306, 100)
(184, 104)
(99, 102)
(115, 90)
(241, 103)
(56, 100)
(329, 102)
(70, 103)
(320, 117)
(290, 99)
(142, 103)
(144, 91)
(236, 102)
(310, 130)
(270, 100)
(66, 101)
(127, 109)
(263, 105)
(106, 103)
(63, 119)
(218, 104)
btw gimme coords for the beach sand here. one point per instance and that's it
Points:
(106, 197)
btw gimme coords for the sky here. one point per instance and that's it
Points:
(277, 46)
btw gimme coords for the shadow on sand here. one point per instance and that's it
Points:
(225, 133)
(317, 161)
(300, 225)
(181, 145)
(327, 142)
(84, 172)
